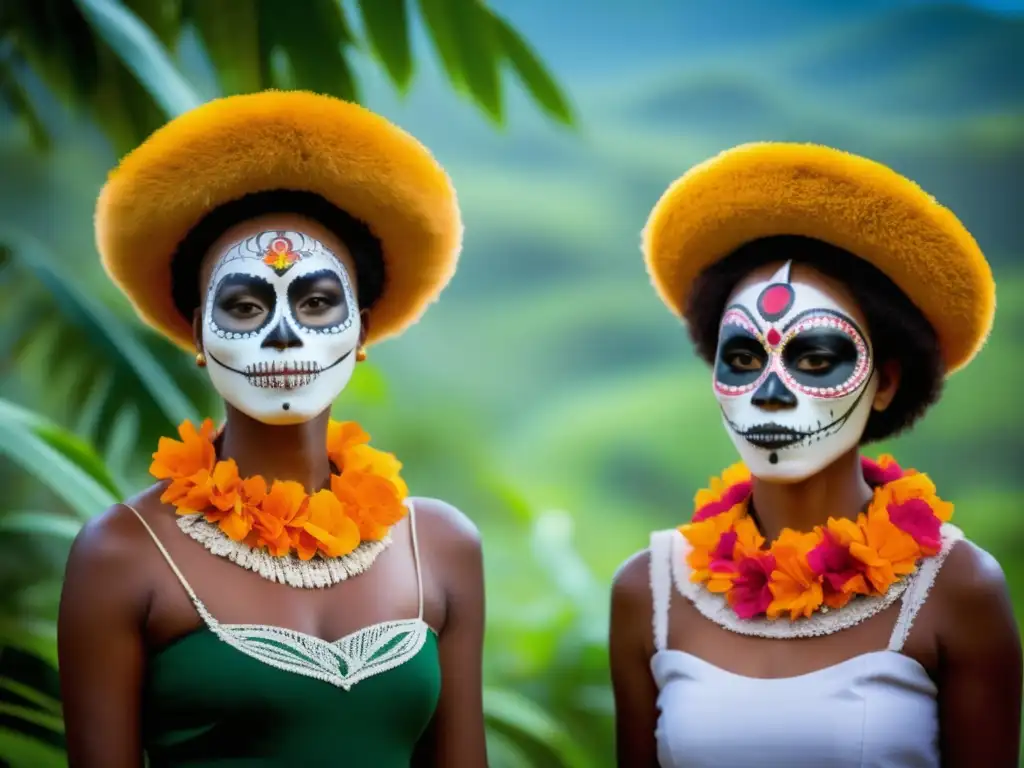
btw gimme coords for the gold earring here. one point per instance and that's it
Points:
(360, 354)
(201, 360)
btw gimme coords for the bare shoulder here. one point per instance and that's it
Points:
(115, 539)
(632, 581)
(970, 574)
(973, 598)
(447, 527)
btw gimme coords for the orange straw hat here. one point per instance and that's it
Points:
(231, 147)
(767, 189)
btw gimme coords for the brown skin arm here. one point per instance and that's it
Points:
(100, 642)
(630, 646)
(980, 672)
(451, 553)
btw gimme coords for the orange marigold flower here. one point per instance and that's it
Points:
(325, 528)
(717, 486)
(704, 539)
(183, 458)
(886, 552)
(795, 588)
(230, 501)
(372, 502)
(342, 436)
(363, 459)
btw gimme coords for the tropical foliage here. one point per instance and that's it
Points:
(549, 395)
(111, 387)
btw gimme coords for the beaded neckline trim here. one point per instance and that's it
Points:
(715, 607)
(317, 573)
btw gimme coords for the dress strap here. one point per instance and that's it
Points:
(920, 585)
(167, 556)
(416, 557)
(661, 584)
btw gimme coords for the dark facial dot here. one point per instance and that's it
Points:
(285, 406)
(773, 458)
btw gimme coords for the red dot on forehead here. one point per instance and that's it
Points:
(775, 301)
(773, 337)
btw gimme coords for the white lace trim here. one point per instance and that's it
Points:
(317, 573)
(717, 609)
(920, 586)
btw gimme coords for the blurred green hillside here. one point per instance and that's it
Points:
(549, 394)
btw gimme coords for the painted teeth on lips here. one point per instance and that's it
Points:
(281, 374)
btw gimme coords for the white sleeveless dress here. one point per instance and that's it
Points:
(876, 710)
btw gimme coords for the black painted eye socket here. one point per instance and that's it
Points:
(741, 358)
(318, 300)
(821, 358)
(243, 303)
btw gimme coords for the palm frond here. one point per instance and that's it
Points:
(96, 363)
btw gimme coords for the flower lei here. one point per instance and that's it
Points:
(364, 501)
(800, 573)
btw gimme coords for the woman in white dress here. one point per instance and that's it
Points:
(818, 609)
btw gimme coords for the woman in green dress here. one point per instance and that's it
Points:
(277, 598)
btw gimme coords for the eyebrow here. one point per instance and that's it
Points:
(822, 312)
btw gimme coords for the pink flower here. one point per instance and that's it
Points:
(916, 517)
(833, 562)
(735, 494)
(721, 555)
(750, 595)
(881, 472)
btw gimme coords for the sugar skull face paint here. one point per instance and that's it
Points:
(280, 326)
(794, 375)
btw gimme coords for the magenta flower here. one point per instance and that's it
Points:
(734, 494)
(880, 472)
(721, 555)
(916, 517)
(834, 563)
(751, 595)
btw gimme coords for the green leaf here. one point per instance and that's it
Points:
(516, 713)
(32, 716)
(504, 752)
(162, 16)
(478, 52)
(35, 638)
(387, 26)
(20, 103)
(313, 42)
(38, 523)
(103, 326)
(64, 474)
(229, 30)
(137, 46)
(531, 71)
(30, 694)
(437, 19)
(70, 446)
(21, 751)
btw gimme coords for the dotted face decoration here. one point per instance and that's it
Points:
(280, 326)
(793, 375)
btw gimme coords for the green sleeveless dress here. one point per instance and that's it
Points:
(255, 696)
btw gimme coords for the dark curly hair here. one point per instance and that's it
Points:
(362, 244)
(897, 328)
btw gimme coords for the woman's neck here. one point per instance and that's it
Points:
(294, 452)
(839, 490)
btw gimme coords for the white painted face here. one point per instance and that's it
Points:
(794, 375)
(280, 326)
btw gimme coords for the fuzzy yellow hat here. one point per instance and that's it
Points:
(768, 189)
(275, 140)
